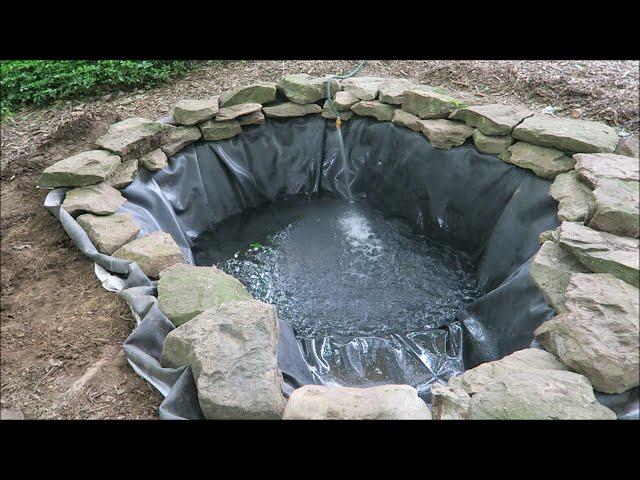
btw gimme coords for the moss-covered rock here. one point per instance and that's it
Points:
(303, 88)
(539, 395)
(259, 92)
(543, 161)
(427, 102)
(185, 291)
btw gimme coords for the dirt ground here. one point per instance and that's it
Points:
(61, 332)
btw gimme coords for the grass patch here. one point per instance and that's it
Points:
(25, 83)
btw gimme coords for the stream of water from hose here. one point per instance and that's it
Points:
(344, 167)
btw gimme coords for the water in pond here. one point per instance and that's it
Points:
(370, 301)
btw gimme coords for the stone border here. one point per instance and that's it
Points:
(587, 269)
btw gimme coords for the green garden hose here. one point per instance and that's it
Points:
(328, 87)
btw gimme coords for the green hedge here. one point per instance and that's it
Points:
(38, 83)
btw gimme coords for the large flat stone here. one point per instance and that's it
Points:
(543, 161)
(180, 137)
(380, 111)
(391, 90)
(529, 384)
(365, 88)
(616, 207)
(152, 253)
(406, 119)
(101, 199)
(567, 134)
(539, 395)
(491, 144)
(109, 232)
(427, 102)
(259, 92)
(492, 119)
(124, 174)
(592, 167)
(212, 130)
(134, 137)
(343, 101)
(445, 133)
(255, 118)
(290, 109)
(303, 88)
(86, 168)
(477, 379)
(234, 111)
(327, 113)
(185, 291)
(598, 335)
(574, 197)
(628, 146)
(602, 252)
(386, 402)
(231, 350)
(191, 112)
(551, 269)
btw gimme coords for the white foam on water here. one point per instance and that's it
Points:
(359, 235)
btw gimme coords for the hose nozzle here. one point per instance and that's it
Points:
(338, 122)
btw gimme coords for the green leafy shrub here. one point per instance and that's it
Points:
(37, 83)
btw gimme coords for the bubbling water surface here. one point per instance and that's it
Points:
(338, 268)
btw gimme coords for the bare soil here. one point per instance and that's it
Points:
(61, 332)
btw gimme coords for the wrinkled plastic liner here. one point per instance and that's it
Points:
(468, 201)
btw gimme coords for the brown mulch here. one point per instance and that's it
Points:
(60, 331)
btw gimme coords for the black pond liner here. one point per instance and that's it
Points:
(472, 202)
